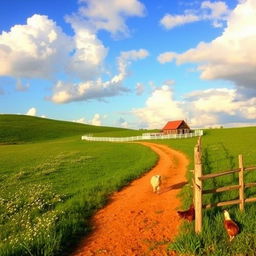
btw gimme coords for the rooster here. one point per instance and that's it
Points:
(188, 214)
(231, 227)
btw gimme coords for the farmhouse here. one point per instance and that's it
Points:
(176, 127)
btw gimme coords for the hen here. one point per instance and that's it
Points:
(230, 226)
(188, 214)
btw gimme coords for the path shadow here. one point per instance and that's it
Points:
(173, 187)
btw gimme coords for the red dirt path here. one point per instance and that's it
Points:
(138, 222)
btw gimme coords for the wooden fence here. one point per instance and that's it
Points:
(153, 136)
(199, 191)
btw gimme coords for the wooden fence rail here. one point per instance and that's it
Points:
(153, 136)
(199, 178)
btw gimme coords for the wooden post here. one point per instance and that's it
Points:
(199, 142)
(241, 182)
(198, 189)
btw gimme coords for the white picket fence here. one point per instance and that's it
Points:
(147, 136)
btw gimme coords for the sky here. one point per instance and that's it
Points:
(130, 63)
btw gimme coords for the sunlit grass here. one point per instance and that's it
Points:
(220, 152)
(16, 129)
(49, 190)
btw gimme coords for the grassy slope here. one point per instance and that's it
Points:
(220, 152)
(69, 165)
(49, 189)
(20, 129)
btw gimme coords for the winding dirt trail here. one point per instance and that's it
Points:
(137, 222)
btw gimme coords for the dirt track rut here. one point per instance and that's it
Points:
(137, 222)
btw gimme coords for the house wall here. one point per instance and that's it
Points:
(170, 131)
(177, 131)
(183, 128)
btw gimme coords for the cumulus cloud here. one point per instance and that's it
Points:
(217, 12)
(81, 120)
(159, 108)
(110, 15)
(215, 100)
(66, 92)
(35, 50)
(31, 112)
(127, 57)
(204, 108)
(96, 120)
(40, 49)
(170, 21)
(230, 56)
(166, 57)
(216, 106)
(89, 52)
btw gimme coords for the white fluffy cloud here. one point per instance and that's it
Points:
(159, 108)
(166, 57)
(215, 100)
(232, 55)
(217, 12)
(40, 49)
(170, 21)
(98, 89)
(215, 106)
(110, 15)
(81, 120)
(64, 92)
(211, 107)
(35, 50)
(31, 112)
(96, 120)
(89, 54)
(125, 58)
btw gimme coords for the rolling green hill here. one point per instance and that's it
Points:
(49, 188)
(20, 129)
(52, 186)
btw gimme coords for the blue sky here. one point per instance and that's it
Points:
(130, 63)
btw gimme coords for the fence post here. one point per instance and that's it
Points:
(198, 187)
(241, 182)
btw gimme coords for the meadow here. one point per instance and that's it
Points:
(23, 129)
(221, 148)
(52, 183)
(51, 187)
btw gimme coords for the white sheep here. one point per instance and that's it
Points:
(156, 182)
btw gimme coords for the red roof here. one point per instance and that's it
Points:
(172, 125)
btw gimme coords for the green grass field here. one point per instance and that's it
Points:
(221, 148)
(24, 129)
(50, 188)
(52, 182)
